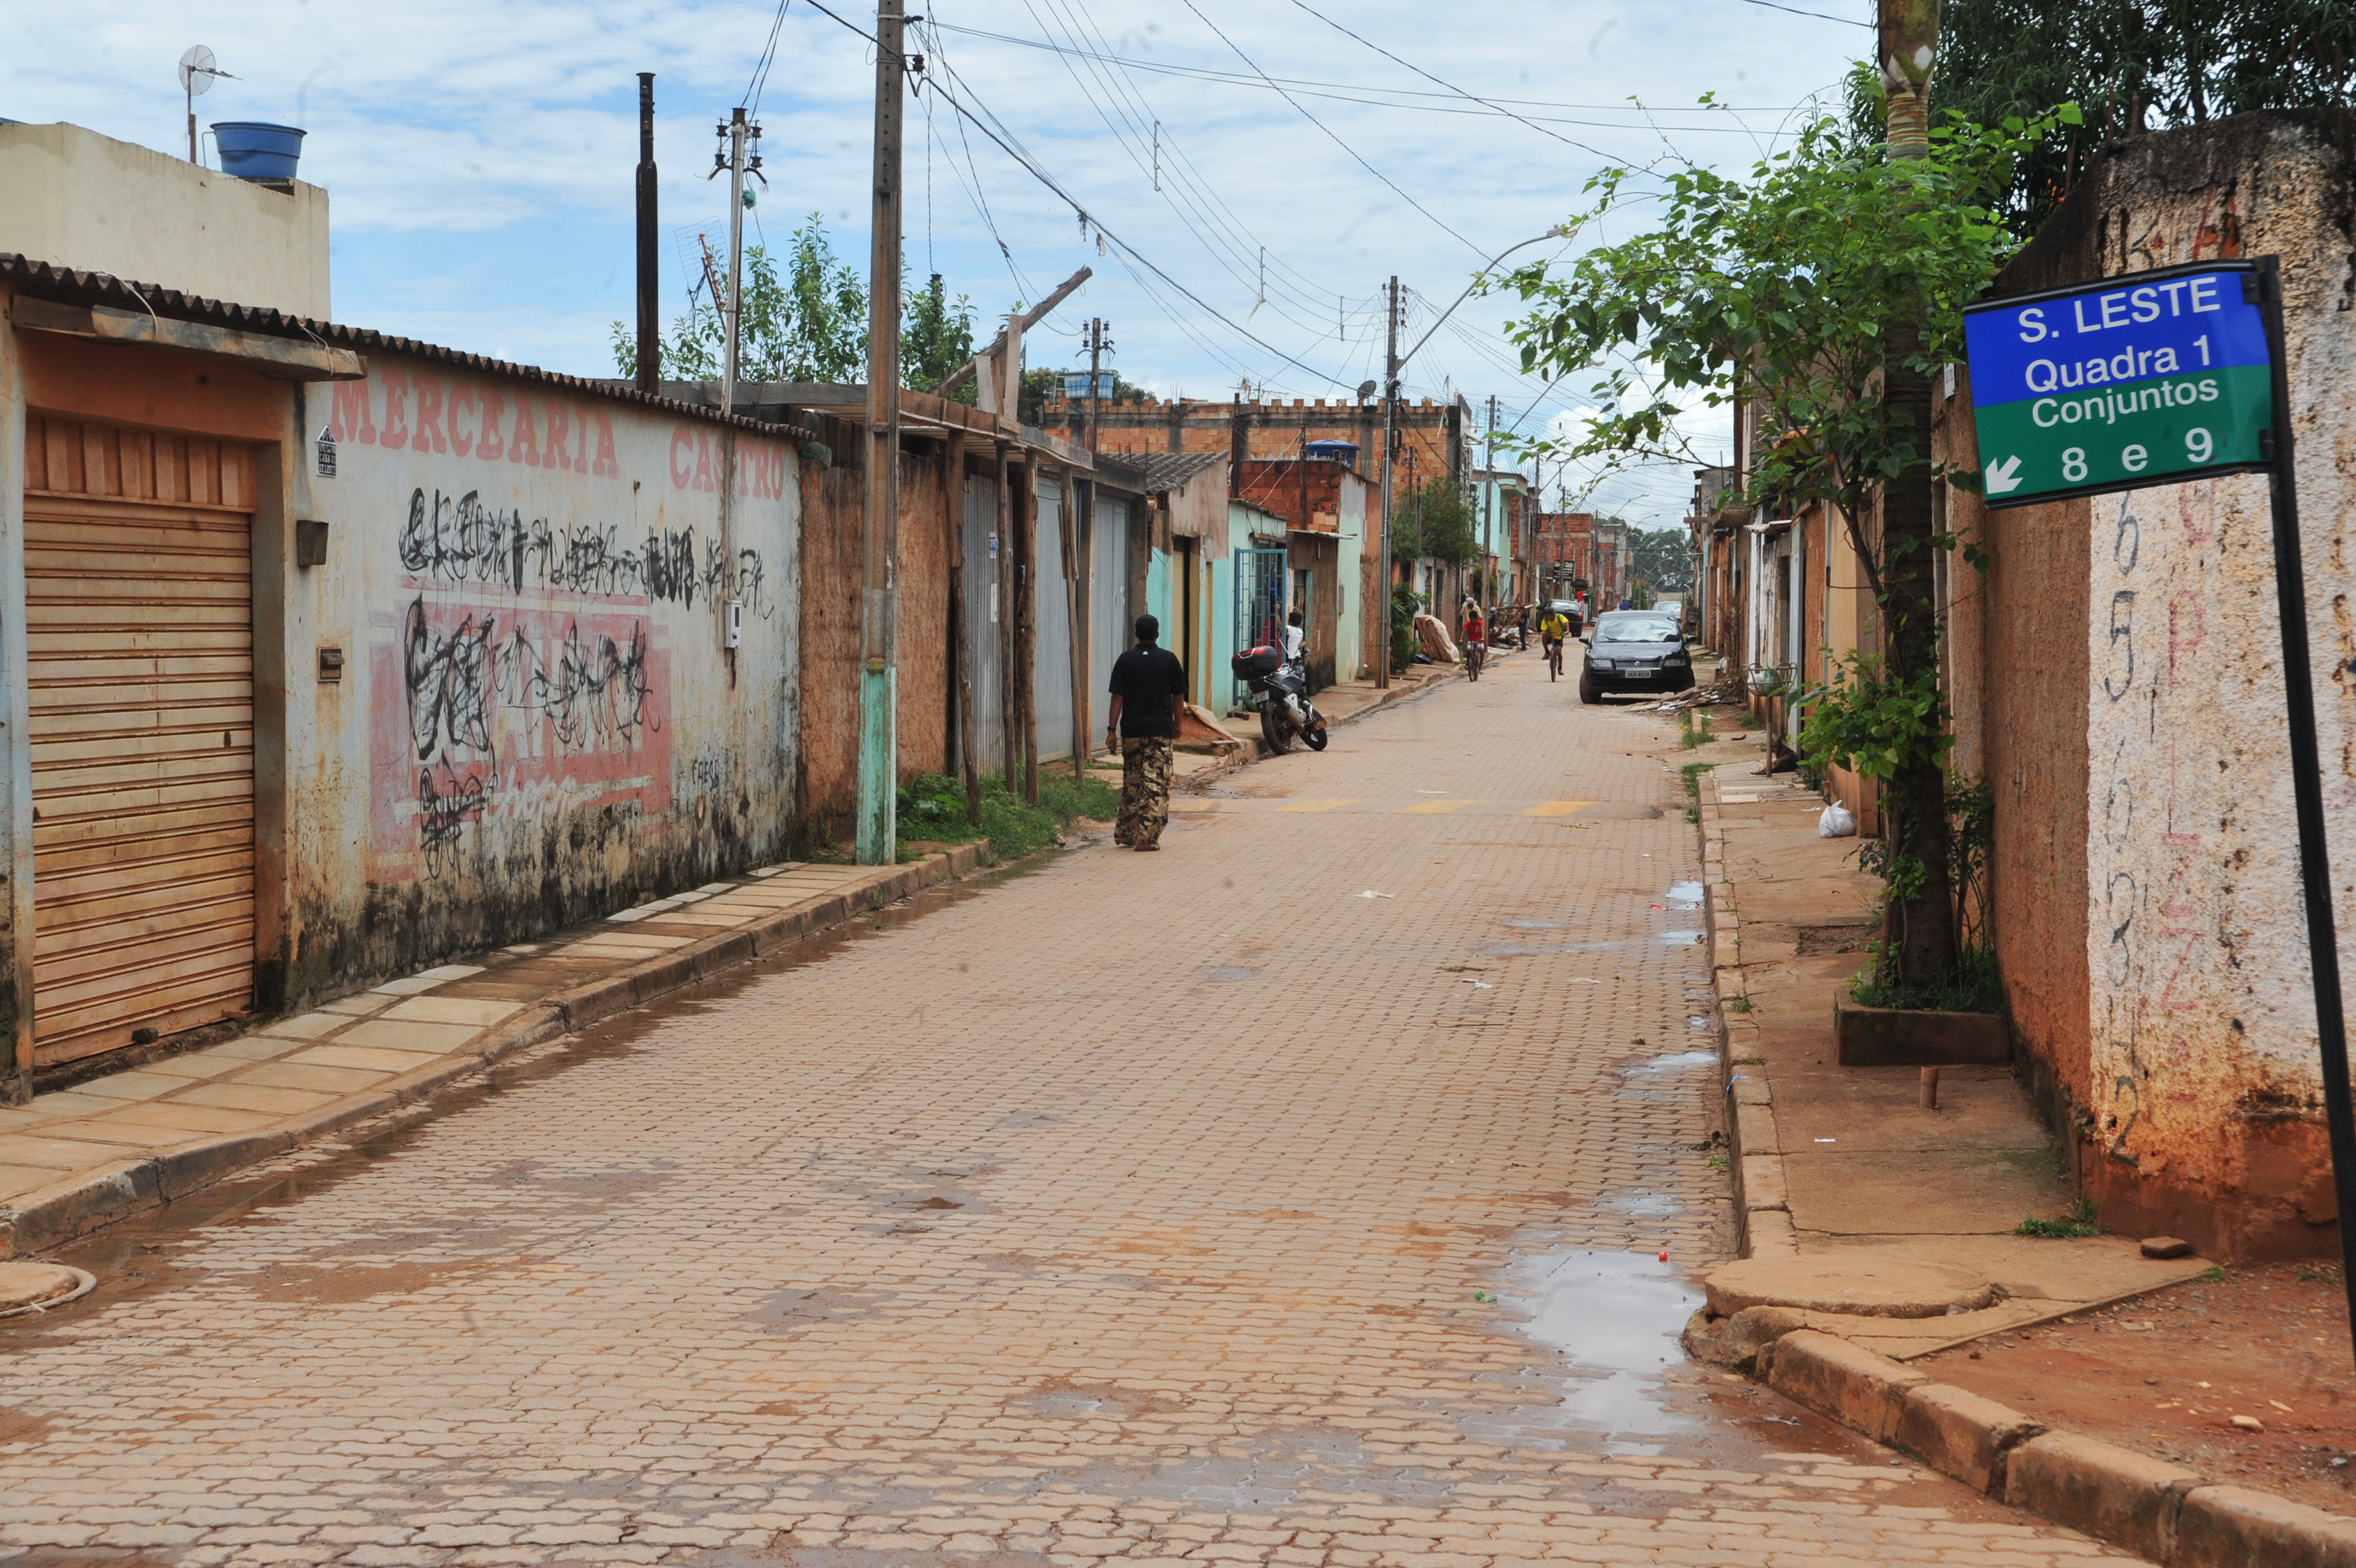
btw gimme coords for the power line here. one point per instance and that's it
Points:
(761, 70)
(1194, 199)
(1450, 85)
(1328, 88)
(1032, 167)
(1337, 140)
(973, 189)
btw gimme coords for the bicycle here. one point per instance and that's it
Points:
(1554, 658)
(1472, 661)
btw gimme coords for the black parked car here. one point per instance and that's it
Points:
(1635, 650)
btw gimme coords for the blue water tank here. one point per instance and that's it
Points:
(252, 150)
(1345, 452)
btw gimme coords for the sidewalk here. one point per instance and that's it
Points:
(2077, 1378)
(1839, 1164)
(82, 1157)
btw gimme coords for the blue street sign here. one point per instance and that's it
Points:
(2136, 381)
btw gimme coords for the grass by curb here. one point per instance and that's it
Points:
(933, 811)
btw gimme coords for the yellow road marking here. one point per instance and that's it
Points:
(1435, 807)
(1558, 807)
(1318, 804)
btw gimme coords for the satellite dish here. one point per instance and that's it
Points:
(1365, 390)
(196, 70)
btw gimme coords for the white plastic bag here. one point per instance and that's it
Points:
(1836, 822)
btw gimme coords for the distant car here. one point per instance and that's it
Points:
(1635, 650)
(1568, 609)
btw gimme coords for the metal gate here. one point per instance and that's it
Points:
(1109, 616)
(139, 634)
(1260, 605)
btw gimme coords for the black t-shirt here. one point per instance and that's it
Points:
(1149, 680)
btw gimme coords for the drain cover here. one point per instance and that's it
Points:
(31, 1288)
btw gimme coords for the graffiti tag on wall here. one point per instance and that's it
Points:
(460, 540)
(521, 711)
(523, 671)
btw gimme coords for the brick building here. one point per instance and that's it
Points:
(1433, 438)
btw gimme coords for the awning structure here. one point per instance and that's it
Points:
(1190, 487)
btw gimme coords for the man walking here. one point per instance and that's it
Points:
(1148, 685)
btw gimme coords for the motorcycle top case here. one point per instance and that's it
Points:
(1257, 664)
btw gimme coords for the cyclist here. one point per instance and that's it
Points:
(1554, 626)
(1476, 637)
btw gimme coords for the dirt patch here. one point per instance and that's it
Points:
(1819, 939)
(2165, 1373)
(23, 1427)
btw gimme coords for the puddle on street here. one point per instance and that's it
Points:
(1685, 895)
(1539, 949)
(1615, 1317)
(1675, 1061)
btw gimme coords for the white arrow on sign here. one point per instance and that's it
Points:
(2003, 476)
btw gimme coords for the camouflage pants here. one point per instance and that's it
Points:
(1144, 790)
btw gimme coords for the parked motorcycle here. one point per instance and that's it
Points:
(1282, 689)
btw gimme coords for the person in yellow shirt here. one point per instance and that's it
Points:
(1553, 628)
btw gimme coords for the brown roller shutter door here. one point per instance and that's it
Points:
(139, 626)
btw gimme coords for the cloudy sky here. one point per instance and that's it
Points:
(480, 156)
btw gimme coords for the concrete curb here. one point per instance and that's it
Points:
(2165, 1512)
(2162, 1511)
(53, 1215)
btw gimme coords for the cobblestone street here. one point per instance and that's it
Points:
(1298, 1195)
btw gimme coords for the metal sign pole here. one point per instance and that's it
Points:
(2306, 790)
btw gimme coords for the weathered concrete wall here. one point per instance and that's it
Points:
(80, 199)
(2198, 1103)
(538, 721)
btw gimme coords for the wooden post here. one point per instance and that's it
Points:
(961, 632)
(1076, 497)
(1010, 750)
(1026, 627)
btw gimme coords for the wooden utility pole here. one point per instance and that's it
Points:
(1390, 418)
(879, 776)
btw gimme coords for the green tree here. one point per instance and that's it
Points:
(1824, 288)
(937, 339)
(1664, 558)
(1433, 522)
(2136, 66)
(808, 324)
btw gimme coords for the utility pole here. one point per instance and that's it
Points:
(1489, 491)
(879, 742)
(732, 317)
(1390, 413)
(1098, 344)
(649, 247)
